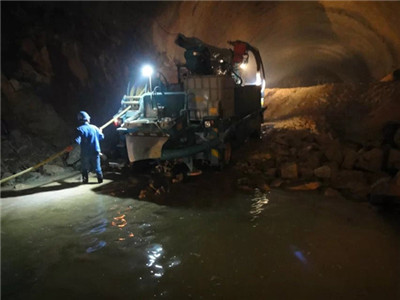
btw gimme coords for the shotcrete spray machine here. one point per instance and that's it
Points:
(210, 110)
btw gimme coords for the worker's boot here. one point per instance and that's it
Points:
(99, 178)
(85, 177)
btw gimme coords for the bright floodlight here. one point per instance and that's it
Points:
(147, 71)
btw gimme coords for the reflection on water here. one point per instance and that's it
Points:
(154, 253)
(259, 202)
(158, 262)
(97, 245)
(94, 226)
(119, 221)
(298, 254)
(273, 245)
(100, 228)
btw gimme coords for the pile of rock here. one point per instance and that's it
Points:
(303, 160)
(20, 151)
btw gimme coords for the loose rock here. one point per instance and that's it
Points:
(271, 172)
(370, 160)
(276, 183)
(345, 179)
(306, 173)
(394, 159)
(289, 171)
(323, 172)
(309, 186)
(350, 157)
(52, 169)
(329, 192)
(334, 153)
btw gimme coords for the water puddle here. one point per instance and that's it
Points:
(97, 245)
(272, 245)
(258, 204)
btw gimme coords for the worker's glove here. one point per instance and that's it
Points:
(69, 149)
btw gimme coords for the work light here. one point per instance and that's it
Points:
(147, 71)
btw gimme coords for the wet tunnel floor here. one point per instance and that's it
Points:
(204, 240)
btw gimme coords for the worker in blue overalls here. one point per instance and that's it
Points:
(89, 137)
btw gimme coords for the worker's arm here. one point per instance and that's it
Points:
(78, 137)
(101, 134)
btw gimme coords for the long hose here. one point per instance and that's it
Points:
(53, 157)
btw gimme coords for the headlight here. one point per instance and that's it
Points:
(208, 123)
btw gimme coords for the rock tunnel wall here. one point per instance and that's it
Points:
(72, 55)
(301, 43)
(58, 58)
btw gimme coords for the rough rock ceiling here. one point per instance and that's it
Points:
(302, 43)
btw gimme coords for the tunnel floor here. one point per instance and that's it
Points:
(67, 240)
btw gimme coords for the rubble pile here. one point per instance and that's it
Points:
(20, 151)
(340, 139)
(305, 160)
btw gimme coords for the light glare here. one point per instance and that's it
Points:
(258, 78)
(147, 71)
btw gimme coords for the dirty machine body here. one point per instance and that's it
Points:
(200, 118)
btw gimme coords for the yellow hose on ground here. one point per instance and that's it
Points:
(53, 157)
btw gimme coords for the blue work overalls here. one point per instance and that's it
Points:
(89, 137)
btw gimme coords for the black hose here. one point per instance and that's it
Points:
(240, 78)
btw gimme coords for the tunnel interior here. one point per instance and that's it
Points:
(301, 44)
(306, 207)
(59, 58)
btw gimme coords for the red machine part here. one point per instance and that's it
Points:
(239, 51)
